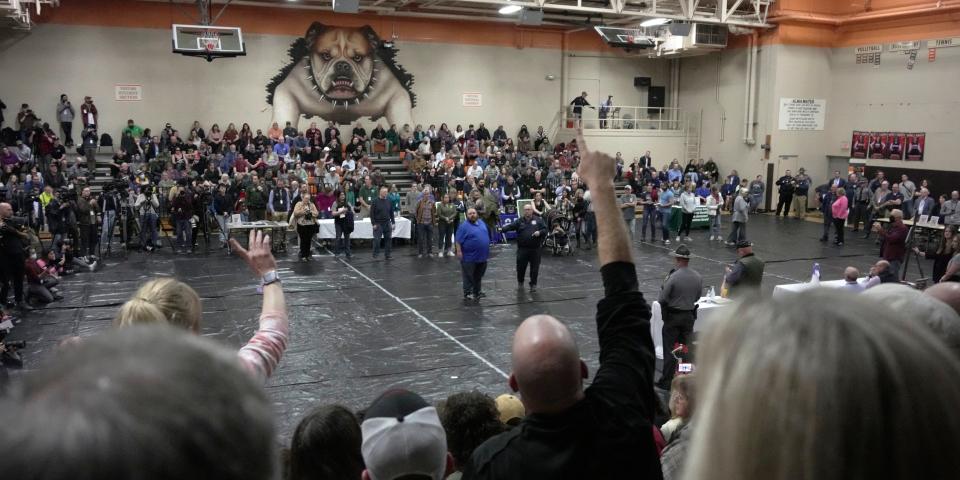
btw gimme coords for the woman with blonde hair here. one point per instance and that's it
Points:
(800, 389)
(305, 215)
(169, 301)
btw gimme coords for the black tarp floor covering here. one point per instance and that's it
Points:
(350, 339)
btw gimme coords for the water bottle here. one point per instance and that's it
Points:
(711, 293)
(815, 277)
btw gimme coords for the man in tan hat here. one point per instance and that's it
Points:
(678, 302)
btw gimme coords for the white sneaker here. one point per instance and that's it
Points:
(711, 238)
(441, 254)
(666, 242)
(678, 238)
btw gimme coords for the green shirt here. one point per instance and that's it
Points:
(135, 131)
(368, 194)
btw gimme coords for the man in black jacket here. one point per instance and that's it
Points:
(787, 185)
(382, 218)
(12, 257)
(603, 431)
(531, 230)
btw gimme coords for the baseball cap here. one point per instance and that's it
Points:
(744, 244)
(510, 408)
(402, 435)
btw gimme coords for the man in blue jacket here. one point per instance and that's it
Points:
(473, 250)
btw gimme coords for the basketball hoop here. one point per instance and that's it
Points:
(209, 42)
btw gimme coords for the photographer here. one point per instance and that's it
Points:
(12, 258)
(147, 205)
(55, 217)
(87, 221)
(181, 210)
(305, 215)
(109, 204)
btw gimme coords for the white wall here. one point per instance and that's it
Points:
(859, 97)
(602, 75)
(715, 85)
(893, 98)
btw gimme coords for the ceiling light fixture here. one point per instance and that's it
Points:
(654, 22)
(508, 9)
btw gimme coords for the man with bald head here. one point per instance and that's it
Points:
(603, 431)
(851, 280)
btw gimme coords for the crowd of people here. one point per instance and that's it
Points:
(782, 387)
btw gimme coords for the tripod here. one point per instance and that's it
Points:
(911, 242)
(120, 213)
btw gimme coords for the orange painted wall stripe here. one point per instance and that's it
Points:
(294, 22)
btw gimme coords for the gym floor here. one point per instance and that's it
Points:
(360, 327)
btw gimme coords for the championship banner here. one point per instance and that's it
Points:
(858, 146)
(916, 143)
(888, 145)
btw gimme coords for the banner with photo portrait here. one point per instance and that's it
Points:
(916, 145)
(858, 146)
(888, 145)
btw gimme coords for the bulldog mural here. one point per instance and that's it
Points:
(341, 74)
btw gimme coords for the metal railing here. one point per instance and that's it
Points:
(625, 117)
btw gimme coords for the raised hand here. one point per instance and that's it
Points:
(596, 169)
(258, 256)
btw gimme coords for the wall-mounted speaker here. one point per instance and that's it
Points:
(531, 17)
(641, 81)
(656, 99)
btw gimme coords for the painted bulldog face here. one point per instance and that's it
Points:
(342, 65)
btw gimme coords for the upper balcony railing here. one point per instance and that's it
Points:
(624, 117)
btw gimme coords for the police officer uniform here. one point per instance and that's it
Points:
(678, 302)
(528, 247)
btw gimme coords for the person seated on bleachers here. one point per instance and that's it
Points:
(403, 438)
(154, 404)
(326, 445)
(469, 419)
(798, 385)
(378, 140)
(678, 430)
(937, 316)
(605, 430)
(168, 301)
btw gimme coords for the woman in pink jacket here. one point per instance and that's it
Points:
(839, 210)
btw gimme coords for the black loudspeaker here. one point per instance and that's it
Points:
(641, 81)
(656, 99)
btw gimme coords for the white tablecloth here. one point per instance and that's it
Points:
(781, 291)
(708, 313)
(363, 228)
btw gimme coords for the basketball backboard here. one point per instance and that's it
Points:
(625, 37)
(208, 41)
